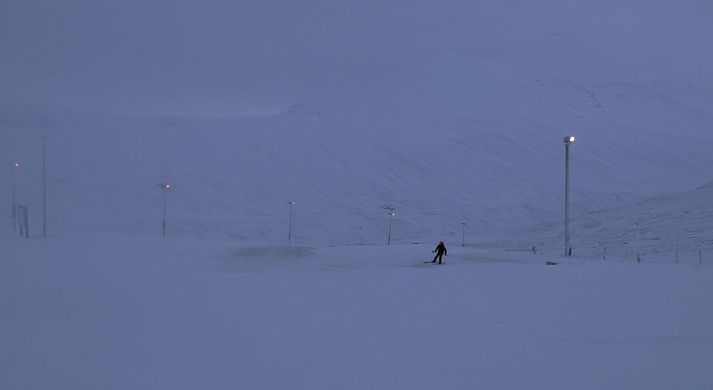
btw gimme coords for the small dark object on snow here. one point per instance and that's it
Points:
(551, 263)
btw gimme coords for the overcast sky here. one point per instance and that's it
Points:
(161, 55)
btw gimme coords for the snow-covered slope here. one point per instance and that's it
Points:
(442, 145)
(114, 312)
(675, 227)
(456, 116)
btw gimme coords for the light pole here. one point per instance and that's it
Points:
(567, 248)
(289, 226)
(44, 186)
(166, 187)
(13, 166)
(463, 223)
(638, 243)
(391, 216)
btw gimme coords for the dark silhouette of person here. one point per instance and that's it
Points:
(440, 251)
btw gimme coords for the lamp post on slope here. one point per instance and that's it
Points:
(44, 186)
(638, 242)
(166, 187)
(463, 224)
(392, 213)
(13, 167)
(289, 226)
(567, 247)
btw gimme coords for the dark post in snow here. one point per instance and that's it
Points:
(13, 166)
(391, 216)
(44, 186)
(676, 250)
(289, 226)
(23, 221)
(166, 187)
(567, 249)
(463, 224)
(638, 243)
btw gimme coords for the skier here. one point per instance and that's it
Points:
(440, 251)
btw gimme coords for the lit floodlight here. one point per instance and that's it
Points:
(13, 167)
(166, 187)
(567, 246)
(391, 214)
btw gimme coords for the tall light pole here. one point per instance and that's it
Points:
(392, 213)
(463, 223)
(44, 186)
(166, 187)
(638, 243)
(13, 166)
(567, 142)
(289, 226)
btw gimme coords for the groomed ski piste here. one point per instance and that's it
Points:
(92, 311)
(111, 309)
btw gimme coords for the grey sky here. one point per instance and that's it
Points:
(167, 54)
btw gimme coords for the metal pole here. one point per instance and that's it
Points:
(289, 227)
(25, 218)
(677, 251)
(388, 240)
(638, 243)
(44, 187)
(14, 205)
(164, 213)
(566, 199)
(463, 223)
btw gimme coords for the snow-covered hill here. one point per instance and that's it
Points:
(449, 111)
(441, 142)
(670, 228)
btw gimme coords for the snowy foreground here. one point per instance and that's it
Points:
(114, 312)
